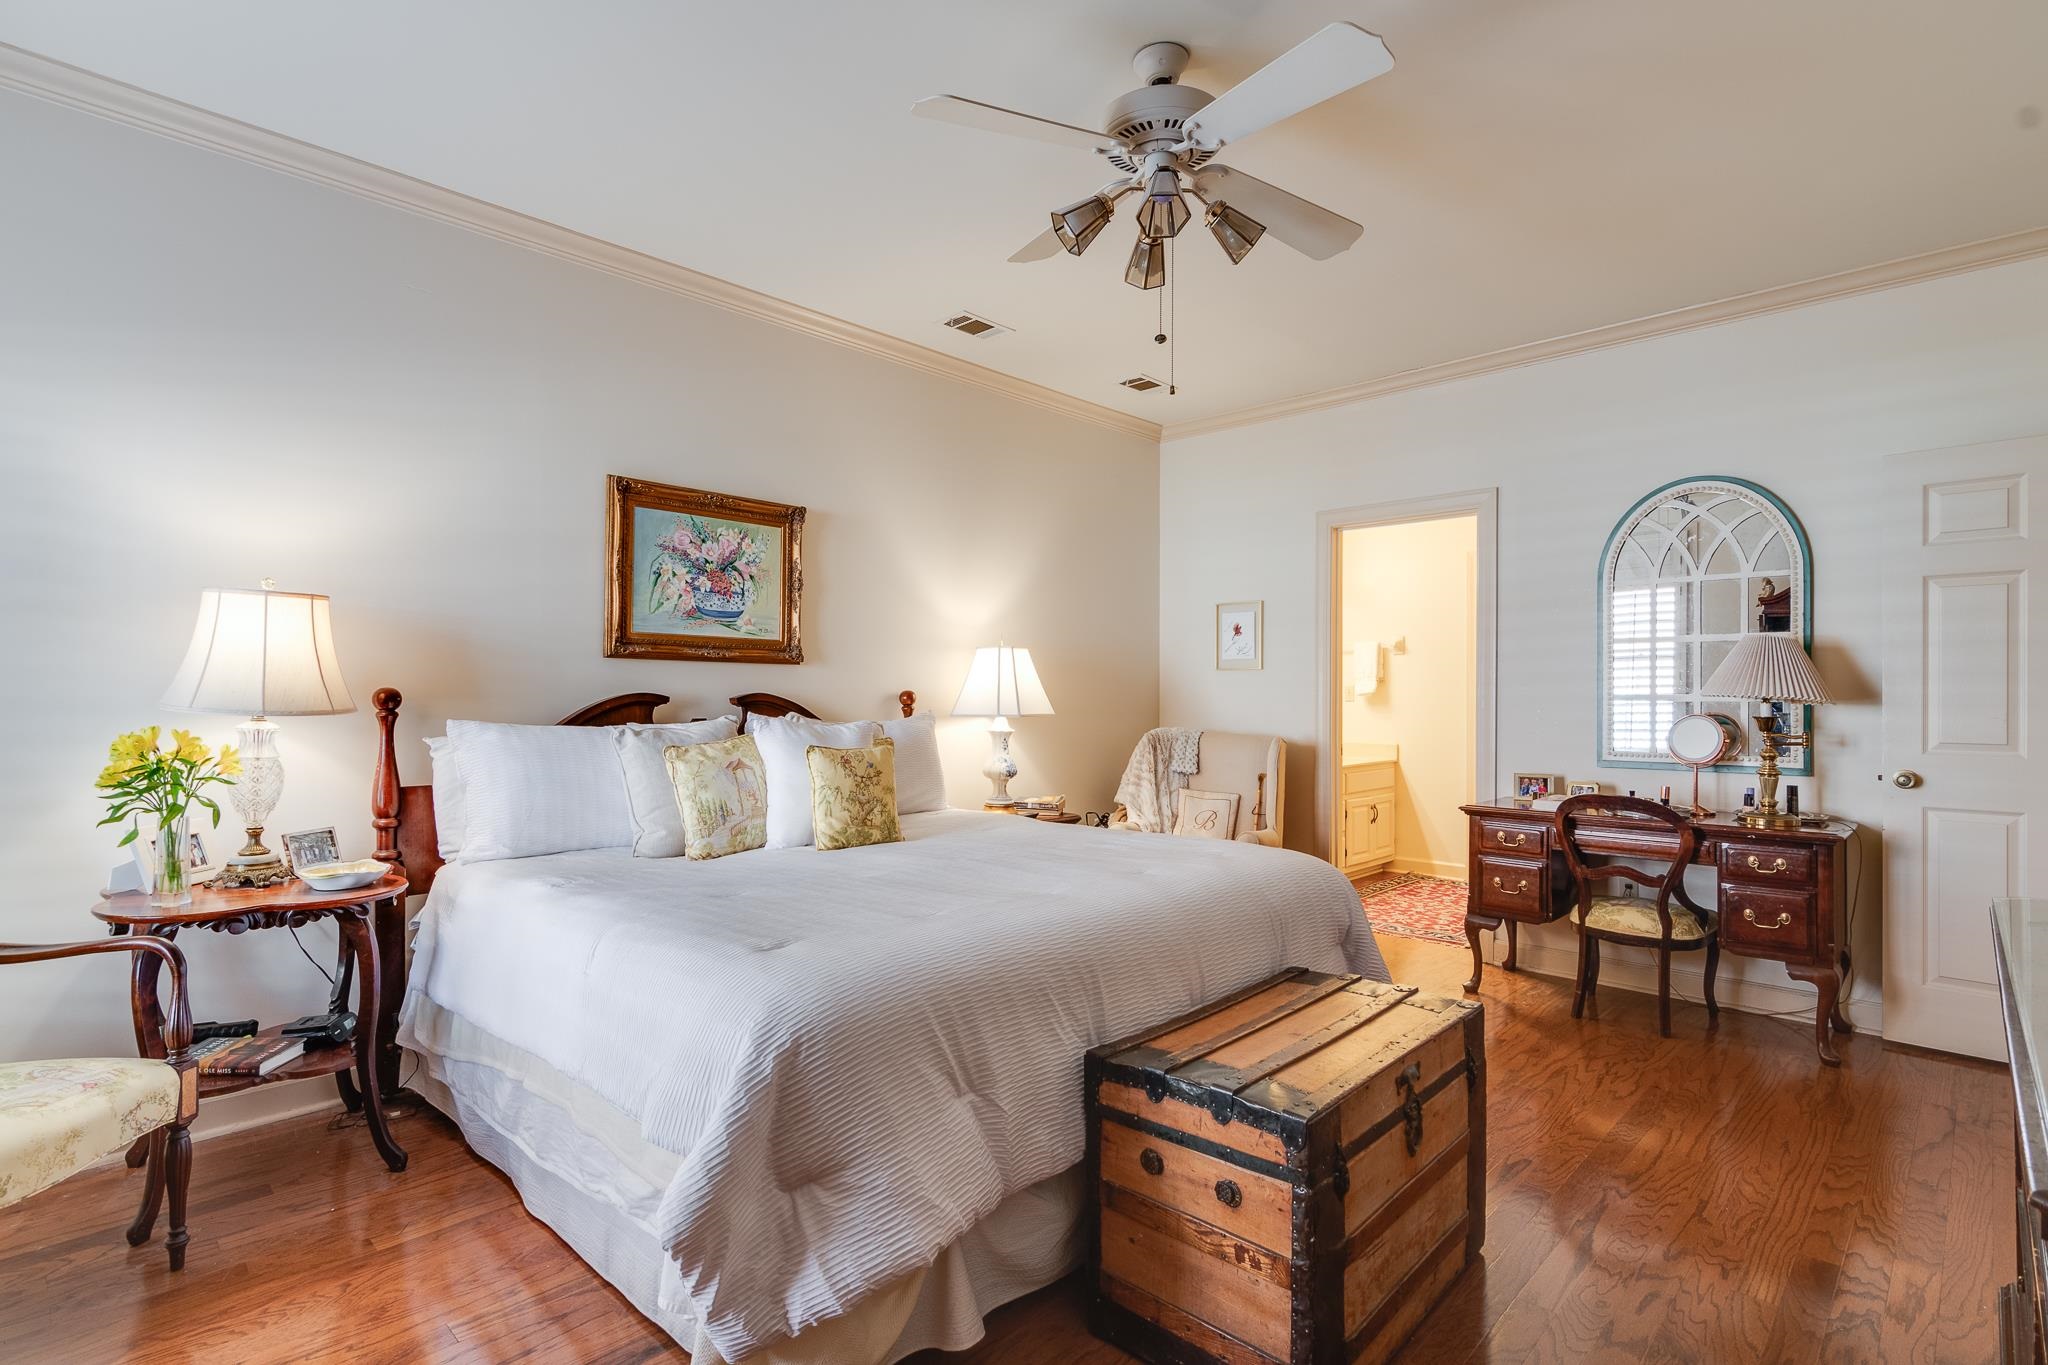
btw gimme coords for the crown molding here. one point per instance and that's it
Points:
(45, 78)
(60, 83)
(1953, 260)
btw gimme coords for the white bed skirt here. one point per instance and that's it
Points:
(582, 1168)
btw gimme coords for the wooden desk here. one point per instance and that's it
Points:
(1782, 894)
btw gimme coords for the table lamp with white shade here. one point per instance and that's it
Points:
(1769, 667)
(259, 653)
(1001, 682)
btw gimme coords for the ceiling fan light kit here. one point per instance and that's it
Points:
(1164, 212)
(1164, 131)
(1237, 233)
(1147, 269)
(1077, 225)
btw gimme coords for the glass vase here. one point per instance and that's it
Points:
(170, 865)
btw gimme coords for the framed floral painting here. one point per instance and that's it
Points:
(696, 575)
(1240, 634)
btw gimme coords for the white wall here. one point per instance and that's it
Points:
(210, 373)
(1805, 402)
(1414, 581)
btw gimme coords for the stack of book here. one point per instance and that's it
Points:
(1041, 805)
(256, 1056)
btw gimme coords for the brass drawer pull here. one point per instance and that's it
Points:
(1228, 1194)
(1151, 1161)
(1777, 865)
(1784, 917)
(1501, 837)
(1520, 886)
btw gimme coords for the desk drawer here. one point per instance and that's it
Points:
(1766, 866)
(1768, 923)
(1514, 887)
(1522, 837)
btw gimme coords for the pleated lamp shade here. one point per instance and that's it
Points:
(259, 652)
(1767, 667)
(1002, 681)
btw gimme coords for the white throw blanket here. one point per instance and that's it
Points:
(1159, 769)
(858, 1054)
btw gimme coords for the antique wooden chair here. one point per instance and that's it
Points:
(1633, 921)
(59, 1117)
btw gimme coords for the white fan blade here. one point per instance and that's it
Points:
(991, 119)
(1038, 248)
(1323, 67)
(1311, 229)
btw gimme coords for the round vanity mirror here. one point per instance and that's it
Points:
(1701, 740)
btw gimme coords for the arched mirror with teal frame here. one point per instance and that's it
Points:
(1689, 570)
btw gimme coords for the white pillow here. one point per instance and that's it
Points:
(533, 789)
(920, 781)
(784, 742)
(657, 819)
(449, 817)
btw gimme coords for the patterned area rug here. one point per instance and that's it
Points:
(1416, 907)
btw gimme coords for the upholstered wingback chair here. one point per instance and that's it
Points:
(59, 1117)
(1253, 766)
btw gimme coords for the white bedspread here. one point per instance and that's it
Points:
(858, 1054)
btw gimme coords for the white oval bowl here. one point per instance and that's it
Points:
(343, 876)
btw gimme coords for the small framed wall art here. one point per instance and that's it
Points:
(1241, 635)
(697, 575)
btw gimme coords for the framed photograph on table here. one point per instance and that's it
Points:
(1241, 635)
(1533, 787)
(311, 848)
(697, 575)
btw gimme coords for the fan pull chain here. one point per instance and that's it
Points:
(1172, 305)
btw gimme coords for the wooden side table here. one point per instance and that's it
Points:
(365, 933)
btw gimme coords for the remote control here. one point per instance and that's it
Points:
(240, 1028)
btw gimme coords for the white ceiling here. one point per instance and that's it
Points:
(1529, 169)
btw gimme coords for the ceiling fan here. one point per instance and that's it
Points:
(1161, 137)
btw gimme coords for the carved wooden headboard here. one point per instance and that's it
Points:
(403, 817)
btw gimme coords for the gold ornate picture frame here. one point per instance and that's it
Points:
(697, 575)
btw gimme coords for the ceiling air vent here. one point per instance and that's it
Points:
(1141, 382)
(975, 325)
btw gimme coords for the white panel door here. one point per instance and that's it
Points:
(1967, 566)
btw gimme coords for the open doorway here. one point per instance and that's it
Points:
(1409, 685)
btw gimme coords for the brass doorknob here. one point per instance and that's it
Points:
(1905, 779)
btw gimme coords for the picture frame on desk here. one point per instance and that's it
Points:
(311, 848)
(1530, 787)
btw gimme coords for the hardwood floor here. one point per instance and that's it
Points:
(1699, 1198)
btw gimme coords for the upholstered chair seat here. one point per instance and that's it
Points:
(1624, 915)
(58, 1117)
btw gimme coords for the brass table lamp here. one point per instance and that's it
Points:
(1769, 667)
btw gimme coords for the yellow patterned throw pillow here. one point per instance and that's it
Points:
(853, 795)
(722, 791)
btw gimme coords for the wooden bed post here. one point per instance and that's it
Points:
(384, 785)
(907, 699)
(387, 919)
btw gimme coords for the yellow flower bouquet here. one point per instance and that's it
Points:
(144, 777)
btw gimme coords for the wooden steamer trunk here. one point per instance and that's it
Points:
(1294, 1174)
